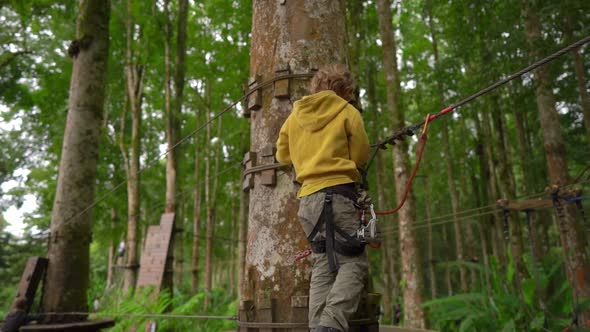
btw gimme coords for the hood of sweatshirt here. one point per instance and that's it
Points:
(314, 112)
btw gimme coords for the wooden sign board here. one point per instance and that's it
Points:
(155, 253)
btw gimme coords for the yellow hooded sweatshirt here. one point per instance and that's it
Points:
(325, 139)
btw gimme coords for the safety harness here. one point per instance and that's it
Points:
(353, 244)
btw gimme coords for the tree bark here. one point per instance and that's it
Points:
(411, 267)
(570, 230)
(67, 277)
(305, 35)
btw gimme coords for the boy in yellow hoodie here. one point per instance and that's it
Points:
(325, 140)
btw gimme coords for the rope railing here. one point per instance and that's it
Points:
(492, 207)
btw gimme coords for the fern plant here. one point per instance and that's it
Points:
(544, 302)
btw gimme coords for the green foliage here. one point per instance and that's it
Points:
(503, 308)
(129, 311)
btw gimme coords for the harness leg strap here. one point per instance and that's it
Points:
(328, 215)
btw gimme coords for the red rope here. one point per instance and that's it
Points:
(422, 145)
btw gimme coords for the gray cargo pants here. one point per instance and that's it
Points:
(333, 297)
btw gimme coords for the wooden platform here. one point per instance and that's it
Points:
(86, 326)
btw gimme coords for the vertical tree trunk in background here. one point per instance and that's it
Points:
(471, 251)
(483, 235)
(196, 218)
(386, 260)
(211, 198)
(431, 272)
(459, 247)
(111, 265)
(568, 26)
(170, 116)
(508, 189)
(232, 248)
(488, 172)
(570, 230)
(208, 203)
(355, 11)
(448, 279)
(134, 73)
(304, 35)
(68, 252)
(410, 258)
(179, 72)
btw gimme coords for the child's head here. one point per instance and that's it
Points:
(335, 77)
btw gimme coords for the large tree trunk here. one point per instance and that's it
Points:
(570, 230)
(304, 35)
(67, 276)
(410, 258)
(130, 155)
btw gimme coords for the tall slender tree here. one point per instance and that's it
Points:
(570, 230)
(134, 72)
(178, 99)
(410, 259)
(67, 277)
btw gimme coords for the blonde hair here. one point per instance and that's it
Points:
(335, 77)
